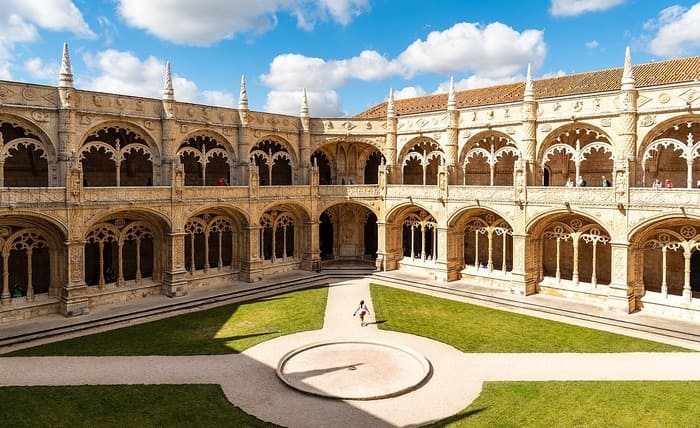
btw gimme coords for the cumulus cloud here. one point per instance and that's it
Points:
(204, 22)
(21, 19)
(218, 98)
(496, 50)
(494, 53)
(578, 7)
(321, 103)
(294, 71)
(38, 69)
(592, 44)
(409, 92)
(124, 73)
(676, 31)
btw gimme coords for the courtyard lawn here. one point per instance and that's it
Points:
(222, 330)
(472, 328)
(121, 406)
(579, 404)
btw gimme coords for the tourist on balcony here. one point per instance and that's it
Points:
(569, 182)
(697, 184)
(580, 182)
(604, 182)
(221, 181)
(668, 184)
(656, 184)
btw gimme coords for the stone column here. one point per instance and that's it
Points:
(381, 246)
(73, 297)
(390, 147)
(620, 294)
(448, 263)
(251, 265)
(174, 283)
(312, 253)
(528, 146)
(169, 154)
(304, 148)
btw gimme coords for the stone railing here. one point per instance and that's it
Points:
(572, 195)
(215, 193)
(125, 194)
(32, 195)
(481, 193)
(352, 191)
(664, 197)
(284, 192)
(412, 191)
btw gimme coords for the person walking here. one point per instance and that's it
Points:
(362, 310)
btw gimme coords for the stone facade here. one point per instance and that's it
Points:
(108, 198)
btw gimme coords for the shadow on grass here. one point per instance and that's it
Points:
(455, 418)
(227, 329)
(377, 322)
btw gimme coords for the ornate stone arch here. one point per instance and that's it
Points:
(664, 258)
(121, 144)
(419, 161)
(36, 167)
(670, 152)
(208, 159)
(276, 161)
(577, 150)
(569, 246)
(479, 159)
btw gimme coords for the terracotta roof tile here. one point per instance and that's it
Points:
(650, 74)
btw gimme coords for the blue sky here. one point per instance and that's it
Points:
(346, 53)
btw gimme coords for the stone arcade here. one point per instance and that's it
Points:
(108, 198)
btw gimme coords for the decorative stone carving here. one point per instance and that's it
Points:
(647, 120)
(664, 98)
(40, 116)
(546, 127)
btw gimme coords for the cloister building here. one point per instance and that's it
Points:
(107, 198)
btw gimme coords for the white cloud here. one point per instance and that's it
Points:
(475, 81)
(39, 70)
(294, 71)
(219, 98)
(495, 50)
(677, 31)
(204, 22)
(409, 92)
(493, 54)
(577, 7)
(593, 44)
(123, 73)
(20, 21)
(321, 103)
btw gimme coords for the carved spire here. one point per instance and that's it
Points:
(529, 85)
(65, 78)
(452, 96)
(304, 104)
(628, 81)
(390, 104)
(168, 91)
(243, 97)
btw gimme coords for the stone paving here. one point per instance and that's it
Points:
(249, 379)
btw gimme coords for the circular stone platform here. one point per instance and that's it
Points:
(354, 370)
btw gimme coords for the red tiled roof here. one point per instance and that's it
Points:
(651, 74)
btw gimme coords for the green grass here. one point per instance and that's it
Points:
(121, 406)
(223, 330)
(472, 328)
(582, 404)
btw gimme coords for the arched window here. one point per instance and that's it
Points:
(274, 163)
